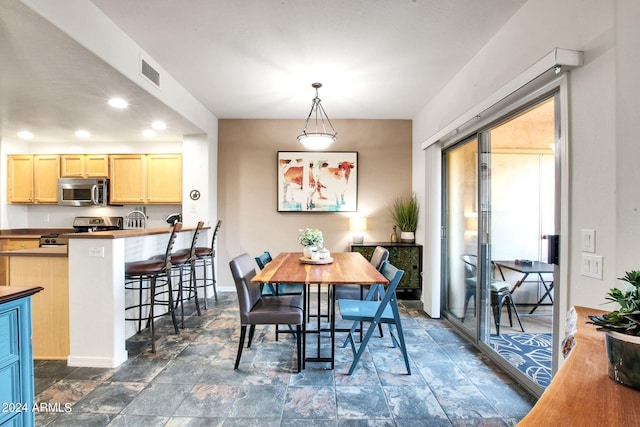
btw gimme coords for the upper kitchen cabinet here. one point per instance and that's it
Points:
(84, 166)
(146, 179)
(33, 178)
(164, 178)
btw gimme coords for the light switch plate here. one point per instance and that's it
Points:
(588, 240)
(591, 266)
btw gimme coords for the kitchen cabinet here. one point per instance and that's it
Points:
(13, 245)
(164, 178)
(146, 178)
(33, 178)
(50, 308)
(405, 256)
(17, 390)
(84, 166)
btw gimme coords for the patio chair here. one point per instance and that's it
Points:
(500, 293)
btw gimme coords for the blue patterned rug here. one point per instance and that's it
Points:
(530, 353)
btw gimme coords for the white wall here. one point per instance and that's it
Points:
(603, 121)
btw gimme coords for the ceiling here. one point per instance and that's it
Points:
(243, 59)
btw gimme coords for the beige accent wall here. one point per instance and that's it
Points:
(247, 181)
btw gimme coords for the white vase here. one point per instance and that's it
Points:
(308, 250)
(407, 237)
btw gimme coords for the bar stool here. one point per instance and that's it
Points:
(180, 260)
(152, 277)
(206, 256)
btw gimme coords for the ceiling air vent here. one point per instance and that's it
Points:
(149, 72)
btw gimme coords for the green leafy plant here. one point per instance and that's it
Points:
(405, 213)
(625, 320)
(310, 237)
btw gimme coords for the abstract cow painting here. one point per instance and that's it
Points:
(317, 181)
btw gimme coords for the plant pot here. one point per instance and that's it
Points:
(308, 250)
(623, 352)
(407, 237)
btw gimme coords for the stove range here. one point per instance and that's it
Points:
(83, 224)
(53, 239)
(87, 224)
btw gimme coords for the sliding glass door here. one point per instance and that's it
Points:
(461, 249)
(499, 238)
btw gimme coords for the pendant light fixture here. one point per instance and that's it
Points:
(318, 139)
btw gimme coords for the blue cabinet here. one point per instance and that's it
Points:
(16, 357)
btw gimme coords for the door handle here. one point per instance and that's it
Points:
(553, 248)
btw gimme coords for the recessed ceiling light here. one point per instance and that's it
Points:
(148, 133)
(81, 133)
(118, 103)
(25, 134)
(159, 125)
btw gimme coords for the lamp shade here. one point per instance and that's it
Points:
(358, 224)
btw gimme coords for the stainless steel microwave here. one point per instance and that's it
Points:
(83, 192)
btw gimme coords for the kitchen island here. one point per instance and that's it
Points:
(80, 314)
(97, 298)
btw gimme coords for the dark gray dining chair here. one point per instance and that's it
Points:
(256, 310)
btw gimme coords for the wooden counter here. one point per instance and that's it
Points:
(581, 393)
(123, 234)
(12, 293)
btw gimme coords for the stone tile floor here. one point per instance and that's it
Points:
(190, 381)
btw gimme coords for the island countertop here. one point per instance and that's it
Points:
(122, 234)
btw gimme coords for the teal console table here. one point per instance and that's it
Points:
(17, 393)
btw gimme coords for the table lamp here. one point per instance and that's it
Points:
(357, 226)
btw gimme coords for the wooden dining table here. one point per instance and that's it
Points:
(347, 268)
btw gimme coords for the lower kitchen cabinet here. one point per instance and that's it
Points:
(13, 245)
(50, 307)
(405, 256)
(17, 393)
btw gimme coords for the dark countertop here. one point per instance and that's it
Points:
(31, 233)
(10, 293)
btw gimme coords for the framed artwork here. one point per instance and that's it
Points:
(317, 181)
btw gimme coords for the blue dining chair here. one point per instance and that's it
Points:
(376, 312)
(282, 289)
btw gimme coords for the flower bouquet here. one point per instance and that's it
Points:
(311, 237)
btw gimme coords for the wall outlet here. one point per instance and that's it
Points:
(96, 251)
(591, 266)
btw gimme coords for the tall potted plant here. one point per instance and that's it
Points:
(622, 327)
(405, 214)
